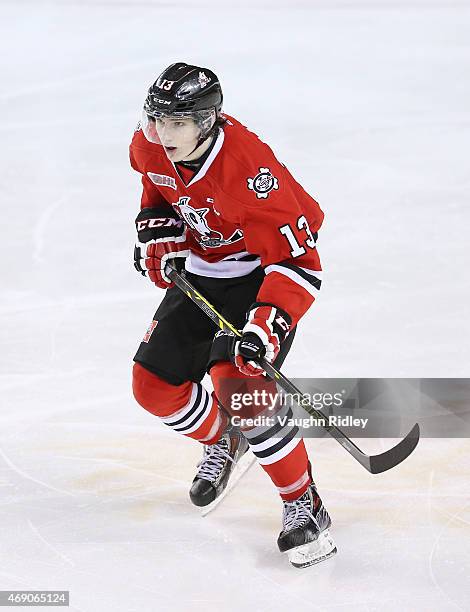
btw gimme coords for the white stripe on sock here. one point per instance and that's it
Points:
(298, 484)
(283, 452)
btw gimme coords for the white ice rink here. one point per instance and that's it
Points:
(367, 102)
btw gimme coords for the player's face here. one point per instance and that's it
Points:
(178, 135)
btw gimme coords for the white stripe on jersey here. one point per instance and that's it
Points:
(219, 269)
(300, 280)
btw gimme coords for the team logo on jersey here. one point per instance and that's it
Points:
(263, 183)
(162, 179)
(149, 331)
(195, 219)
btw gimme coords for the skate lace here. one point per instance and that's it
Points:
(213, 460)
(297, 513)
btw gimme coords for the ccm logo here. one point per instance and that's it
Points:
(152, 223)
(158, 101)
(250, 346)
(282, 323)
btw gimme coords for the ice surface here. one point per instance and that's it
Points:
(368, 105)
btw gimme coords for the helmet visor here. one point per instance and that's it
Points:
(177, 129)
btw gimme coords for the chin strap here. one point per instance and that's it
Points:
(200, 142)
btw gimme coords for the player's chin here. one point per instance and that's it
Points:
(173, 153)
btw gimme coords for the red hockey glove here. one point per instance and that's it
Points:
(161, 237)
(266, 328)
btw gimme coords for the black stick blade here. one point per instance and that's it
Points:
(397, 454)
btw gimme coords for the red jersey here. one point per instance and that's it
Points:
(242, 209)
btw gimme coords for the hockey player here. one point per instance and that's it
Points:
(216, 200)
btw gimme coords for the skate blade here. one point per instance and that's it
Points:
(314, 552)
(243, 465)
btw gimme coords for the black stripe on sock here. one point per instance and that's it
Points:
(273, 449)
(269, 433)
(198, 416)
(193, 409)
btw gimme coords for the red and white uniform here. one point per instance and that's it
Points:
(243, 209)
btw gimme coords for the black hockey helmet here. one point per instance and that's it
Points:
(183, 88)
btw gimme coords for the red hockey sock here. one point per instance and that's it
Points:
(281, 454)
(188, 408)
(291, 474)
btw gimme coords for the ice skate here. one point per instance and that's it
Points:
(305, 533)
(220, 468)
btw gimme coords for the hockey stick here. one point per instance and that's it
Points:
(375, 464)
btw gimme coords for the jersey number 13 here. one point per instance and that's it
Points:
(298, 249)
